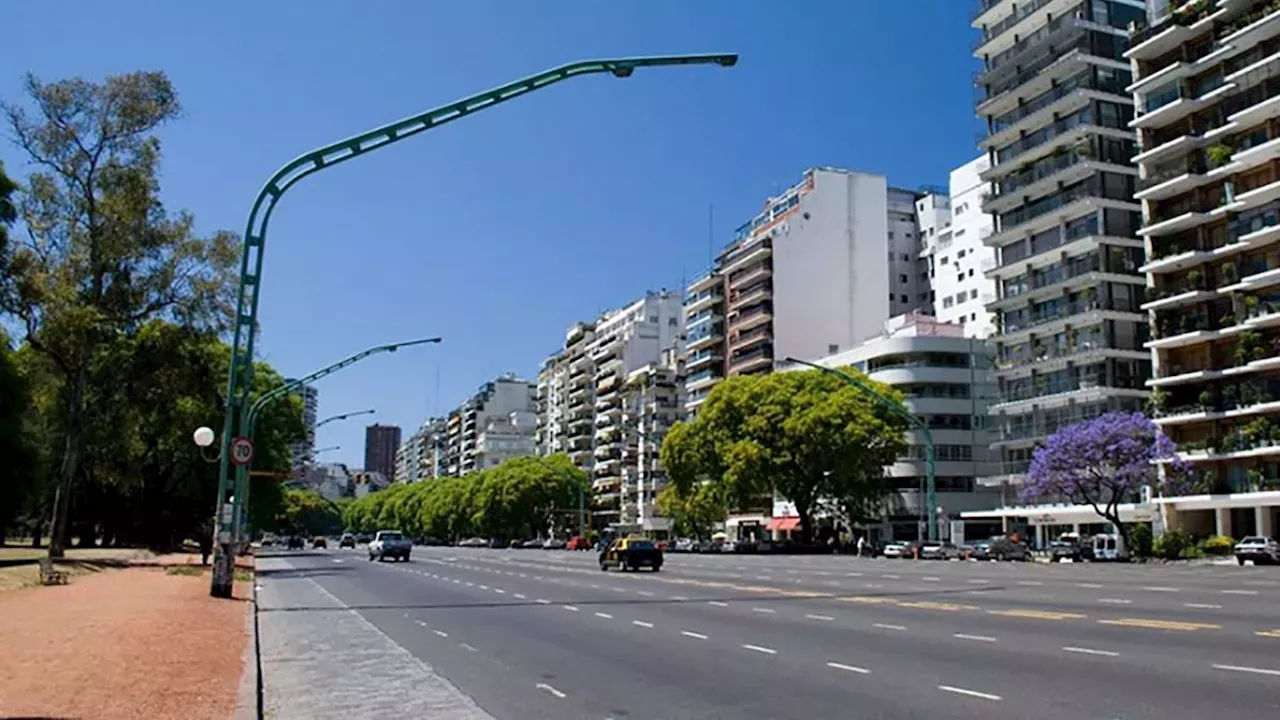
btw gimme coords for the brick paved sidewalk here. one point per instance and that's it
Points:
(131, 643)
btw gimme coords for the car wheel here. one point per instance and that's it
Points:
(370, 557)
(1240, 560)
(999, 557)
(656, 568)
(406, 558)
(604, 567)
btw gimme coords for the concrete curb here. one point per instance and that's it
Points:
(249, 695)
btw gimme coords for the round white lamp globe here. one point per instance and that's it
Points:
(203, 436)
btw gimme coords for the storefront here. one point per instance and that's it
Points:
(1040, 524)
(1233, 515)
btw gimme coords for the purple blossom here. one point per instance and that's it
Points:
(1103, 462)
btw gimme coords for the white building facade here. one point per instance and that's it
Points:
(958, 259)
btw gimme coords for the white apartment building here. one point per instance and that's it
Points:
(495, 399)
(651, 404)
(504, 438)
(958, 259)
(407, 459)
(947, 381)
(818, 270)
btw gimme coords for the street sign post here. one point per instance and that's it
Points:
(241, 451)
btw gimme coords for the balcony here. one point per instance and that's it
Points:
(994, 39)
(747, 254)
(695, 302)
(758, 292)
(1004, 128)
(753, 360)
(750, 317)
(744, 277)
(738, 341)
(1152, 41)
(1042, 387)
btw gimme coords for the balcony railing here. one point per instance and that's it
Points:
(990, 33)
(1193, 164)
(1027, 213)
(1012, 324)
(1143, 32)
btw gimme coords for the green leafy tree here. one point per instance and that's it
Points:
(805, 436)
(696, 512)
(100, 254)
(306, 512)
(18, 471)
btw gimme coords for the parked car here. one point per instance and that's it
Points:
(1261, 550)
(1060, 550)
(554, 544)
(319, 541)
(896, 550)
(631, 554)
(389, 544)
(578, 542)
(1003, 547)
(295, 542)
(347, 541)
(939, 551)
(473, 542)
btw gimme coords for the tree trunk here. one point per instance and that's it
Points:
(806, 522)
(70, 464)
(1122, 544)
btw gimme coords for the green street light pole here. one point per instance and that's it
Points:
(344, 416)
(931, 495)
(240, 374)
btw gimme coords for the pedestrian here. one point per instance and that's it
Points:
(862, 545)
(204, 536)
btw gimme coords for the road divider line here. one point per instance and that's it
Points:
(1115, 601)
(687, 633)
(1268, 633)
(606, 616)
(519, 596)
(979, 581)
(979, 638)
(759, 649)
(543, 601)
(1032, 583)
(570, 608)
(1088, 585)
(547, 688)
(884, 626)
(641, 623)
(1202, 606)
(717, 603)
(441, 633)
(1037, 614)
(970, 693)
(849, 668)
(467, 647)
(1154, 624)
(1090, 651)
(1160, 588)
(819, 617)
(930, 578)
(1239, 592)
(892, 577)
(1246, 669)
(500, 591)
(764, 610)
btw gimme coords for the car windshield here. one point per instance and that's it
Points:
(391, 536)
(640, 545)
(1253, 540)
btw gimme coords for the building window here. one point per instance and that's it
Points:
(903, 298)
(973, 294)
(970, 272)
(890, 234)
(833, 349)
(943, 261)
(902, 278)
(946, 302)
(906, 257)
(960, 254)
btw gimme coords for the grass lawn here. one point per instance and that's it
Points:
(79, 561)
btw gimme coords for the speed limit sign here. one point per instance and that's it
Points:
(241, 451)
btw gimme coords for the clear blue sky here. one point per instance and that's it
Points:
(500, 230)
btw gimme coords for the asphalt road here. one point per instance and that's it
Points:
(545, 634)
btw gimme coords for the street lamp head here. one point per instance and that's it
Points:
(623, 71)
(726, 60)
(203, 436)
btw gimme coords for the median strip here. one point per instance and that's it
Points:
(1153, 624)
(1037, 614)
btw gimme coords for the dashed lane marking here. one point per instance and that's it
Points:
(933, 605)
(699, 636)
(1160, 588)
(570, 608)
(1090, 651)
(1239, 592)
(641, 623)
(1031, 583)
(500, 591)
(819, 617)
(467, 647)
(543, 601)
(1246, 669)
(1088, 585)
(547, 688)
(849, 668)
(979, 638)
(519, 596)
(892, 577)
(717, 603)
(885, 626)
(1115, 601)
(1202, 606)
(441, 633)
(970, 693)
(606, 616)
(760, 649)
(1268, 633)
(1153, 624)
(931, 578)
(764, 610)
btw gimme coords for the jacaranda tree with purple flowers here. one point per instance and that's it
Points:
(1104, 462)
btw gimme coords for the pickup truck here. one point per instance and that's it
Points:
(389, 544)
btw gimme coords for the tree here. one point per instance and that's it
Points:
(101, 255)
(307, 513)
(805, 436)
(1102, 463)
(695, 512)
(18, 479)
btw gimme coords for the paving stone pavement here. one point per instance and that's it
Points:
(323, 660)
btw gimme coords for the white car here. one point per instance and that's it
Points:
(896, 550)
(1261, 550)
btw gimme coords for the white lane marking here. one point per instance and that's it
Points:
(1239, 592)
(471, 584)
(699, 636)
(1246, 669)
(441, 633)
(763, 577)
(970, 693)
(420, 623)
(1203, 606)
(644, 592)
(890, 627)
(593, 586)
(520, 596)
(717, 603)
(537, 577)
(764, 610)
(523, 575)
(1160, 588)
(548, 688)
(892, 577)
(543, 601)
(1090, 651)
(759, 649)
(641, 623)
(850, 668)
(979, 638)
(1088, 585)
(468, 648)
(853, 574)
(979, 581)
(500, 591)
(931, 578)
(679, 597)
(873, 586)
(819, 617)
(1034, 583)
(1115, 601)
(606, 616)
(337, 560)
(456, 581)
(570, 608)
(484, 587)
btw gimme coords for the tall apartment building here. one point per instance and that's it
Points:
(496, 399)
(819, 269)
(582, 394)
(302, 453)
(380, 445)
(652, 402)
(946, 380)
(407, 459)
(1069, 330)
(958, 259)
(1207, 79)
(432, 448)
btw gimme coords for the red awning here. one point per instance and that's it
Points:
(783, 523)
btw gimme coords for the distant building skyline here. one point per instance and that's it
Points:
(380, 445)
